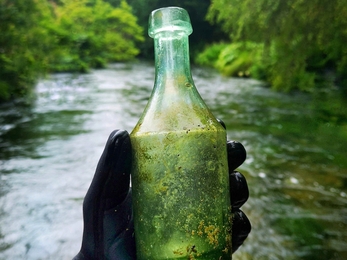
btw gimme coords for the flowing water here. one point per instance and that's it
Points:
(296, 166)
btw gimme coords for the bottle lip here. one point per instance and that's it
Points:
(169, 19)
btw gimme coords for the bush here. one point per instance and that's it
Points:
(302, 39)
(210, 55)
(91, 35)
(23, 45)
(241, 59)
(40, 36)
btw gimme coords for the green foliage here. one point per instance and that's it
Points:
(210, 55)
(203, 32)
(67, 35)
(23, 45)
(93, 33)
(238, 59)
(302, 39)
(241, 59)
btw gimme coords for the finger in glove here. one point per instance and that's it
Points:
(240, 229)
(239, 192)
(109, 188)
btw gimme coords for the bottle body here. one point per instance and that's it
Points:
(180, 195)
(180, 180)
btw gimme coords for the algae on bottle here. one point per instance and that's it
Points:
(180, 180)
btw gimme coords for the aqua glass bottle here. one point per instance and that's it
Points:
(180, 173)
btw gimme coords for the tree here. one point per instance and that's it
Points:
(203, 31)
(38, 36)
(23, 45)
(91, 33)
(301, 38)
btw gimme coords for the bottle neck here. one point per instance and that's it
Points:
(172, 58)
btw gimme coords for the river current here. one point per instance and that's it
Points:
(296, 166)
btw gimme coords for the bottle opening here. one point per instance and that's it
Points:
(169, 19)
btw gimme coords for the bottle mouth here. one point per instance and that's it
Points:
(169, 20)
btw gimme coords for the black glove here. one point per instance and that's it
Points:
(107, 208)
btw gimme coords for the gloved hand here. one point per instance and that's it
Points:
(107, 208)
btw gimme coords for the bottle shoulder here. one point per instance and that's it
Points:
(176, 105)
(178, 118)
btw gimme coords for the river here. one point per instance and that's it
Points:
(296, 166)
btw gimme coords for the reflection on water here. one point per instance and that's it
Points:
(296, 166)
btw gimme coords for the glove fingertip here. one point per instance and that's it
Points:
(239, 191)
(222, 123)
(240, 229)
(117, 137)
(113, 170)
(236, 154)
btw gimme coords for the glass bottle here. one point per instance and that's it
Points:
(180, 177)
